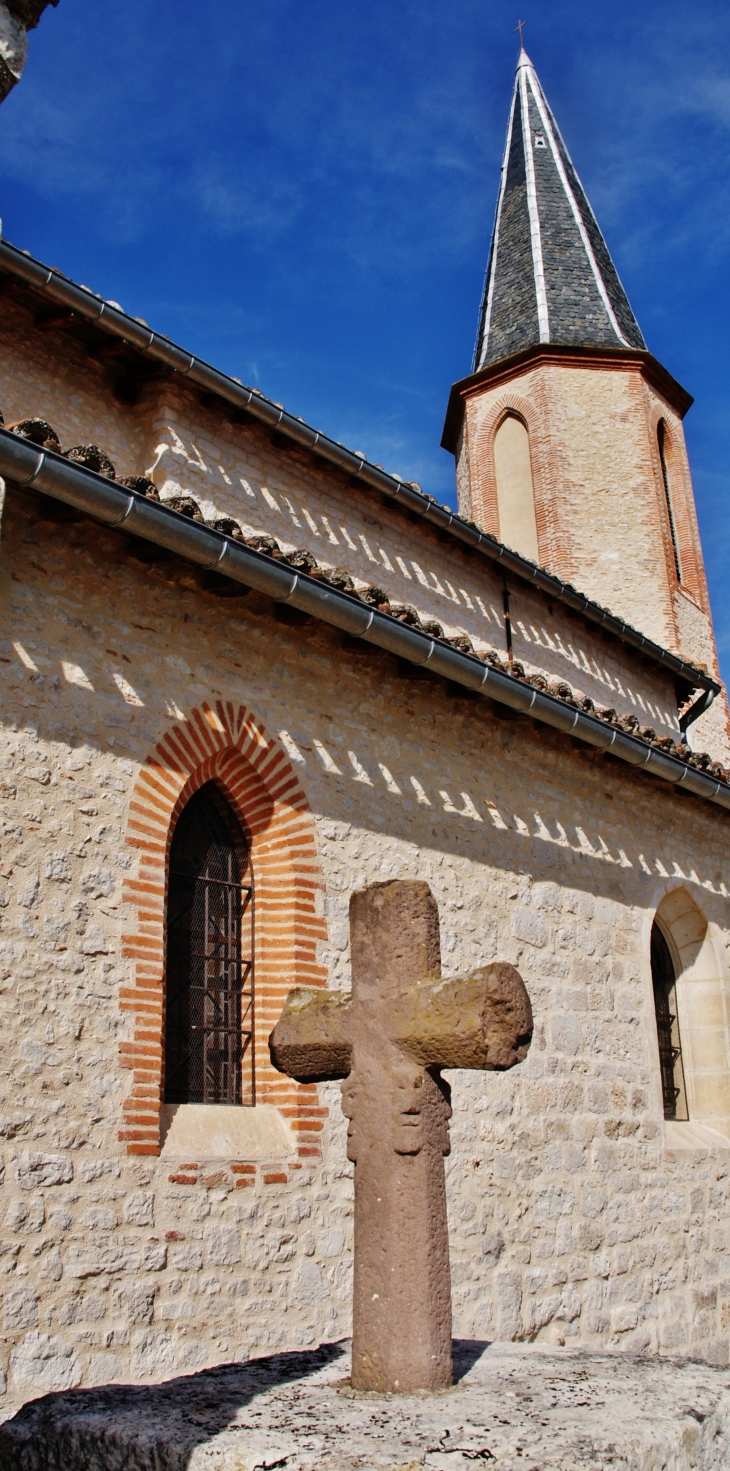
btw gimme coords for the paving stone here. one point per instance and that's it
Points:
(518, 1408)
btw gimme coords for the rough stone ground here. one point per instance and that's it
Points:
(516, 1407)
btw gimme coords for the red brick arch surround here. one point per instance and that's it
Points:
(483, 474)
(225, 743)
(685, 517)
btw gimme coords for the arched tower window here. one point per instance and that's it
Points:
(209, 973)
(662, 441)
(515, 494)
(664, 978)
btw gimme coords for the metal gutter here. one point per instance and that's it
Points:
(695, 710)
(125, 510)
(83, 302)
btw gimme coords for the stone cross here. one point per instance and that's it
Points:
(389, 1040)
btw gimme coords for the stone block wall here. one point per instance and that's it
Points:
(574, 1216)
(235, 470)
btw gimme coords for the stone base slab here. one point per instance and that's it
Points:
(515, 1407)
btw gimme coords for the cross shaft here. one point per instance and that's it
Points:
(389, 1040)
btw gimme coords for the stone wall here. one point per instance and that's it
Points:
(17, 17)
(234, 470)
(575, 1213)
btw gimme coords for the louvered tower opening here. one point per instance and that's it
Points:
(667, 1024)
(210, 967)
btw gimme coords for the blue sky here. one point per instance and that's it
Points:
(303, 193)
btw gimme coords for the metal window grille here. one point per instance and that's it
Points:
(667, 1025)
(209, 970)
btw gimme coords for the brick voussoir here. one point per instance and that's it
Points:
(229, 744)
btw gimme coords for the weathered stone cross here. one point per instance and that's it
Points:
(389, 1039)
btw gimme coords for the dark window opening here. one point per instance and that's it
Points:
(209, 972)
(667, 1025)
(662, 438)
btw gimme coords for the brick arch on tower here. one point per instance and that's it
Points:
(227, 744)
(685, 516)
(483, 476)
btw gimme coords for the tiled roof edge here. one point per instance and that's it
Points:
(112, 319)
(125, 509)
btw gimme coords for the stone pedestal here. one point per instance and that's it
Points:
(515, 1407)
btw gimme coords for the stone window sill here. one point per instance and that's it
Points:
(198, 1131)
(683, 1139)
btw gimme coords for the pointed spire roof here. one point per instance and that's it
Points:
(550, 277)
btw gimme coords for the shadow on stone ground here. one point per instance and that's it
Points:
(524, 1407)
(90, 1429)
(157, 1427)
(466, 1353)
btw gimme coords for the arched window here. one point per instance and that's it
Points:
(515, 495)
(662, 441)
(664, 978)
(209, 971)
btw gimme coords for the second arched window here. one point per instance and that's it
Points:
(209, 976)
(515, 493)
(662, 443)
(664, 981)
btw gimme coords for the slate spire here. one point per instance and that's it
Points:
(550, 277)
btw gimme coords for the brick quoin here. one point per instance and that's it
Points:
(229, 745)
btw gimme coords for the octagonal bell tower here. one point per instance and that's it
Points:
(568, 433)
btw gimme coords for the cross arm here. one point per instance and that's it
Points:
(310, 1041)
(483, 1020)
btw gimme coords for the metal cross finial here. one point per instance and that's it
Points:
(519, 27)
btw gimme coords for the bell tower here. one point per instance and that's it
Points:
(568, 434)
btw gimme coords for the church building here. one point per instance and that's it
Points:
(246, 672)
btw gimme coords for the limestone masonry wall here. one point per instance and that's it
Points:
(576, 1214)
(235, 471)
